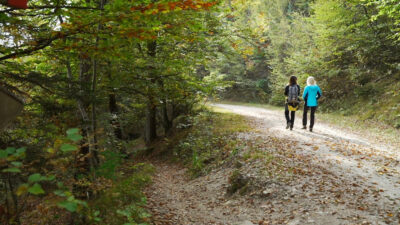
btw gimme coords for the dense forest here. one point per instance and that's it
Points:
(348, 46)
(100, 78)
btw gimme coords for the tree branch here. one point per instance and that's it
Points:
(52, 7)
(44, 44)
(25, 79)
(63, 7)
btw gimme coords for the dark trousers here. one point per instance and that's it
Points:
(312, 116)
(292, 115)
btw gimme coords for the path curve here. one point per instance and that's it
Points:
(348, 180)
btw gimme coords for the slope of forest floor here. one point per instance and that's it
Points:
(270, 175)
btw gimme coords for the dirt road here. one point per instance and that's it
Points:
(344, 179)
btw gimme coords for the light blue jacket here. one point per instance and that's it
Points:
(311, 95)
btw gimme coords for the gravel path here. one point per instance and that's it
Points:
(339, 178)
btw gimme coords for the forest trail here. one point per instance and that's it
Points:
(341, 178)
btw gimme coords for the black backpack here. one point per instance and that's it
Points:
(293, 95)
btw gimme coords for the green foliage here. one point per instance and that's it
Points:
(124, 202)
(36, 189)
(73, 134)
(211, 141)
(350, 47)
(68, 148)
(72, 204)
(108, 168)
(37, 178)
(237, 183)
(99, 67)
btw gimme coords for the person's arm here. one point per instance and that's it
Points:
(305, 94)
(286, 90)
(319, 93)
(298, 87)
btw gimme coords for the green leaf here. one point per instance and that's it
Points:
(10, 151)
(35, 178)
(36, 189)
(72, 131)
(12, 170)
(3, 154)
(68, 148)
(50, 178)
(22, 189)
(74, 137)
(70, 206)
(145, 215)
(16, 164)
(83, 203)
(20, 152)
(59, 193)
(60, 184)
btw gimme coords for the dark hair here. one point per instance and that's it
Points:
(293, 80)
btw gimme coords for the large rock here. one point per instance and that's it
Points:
(10, 107)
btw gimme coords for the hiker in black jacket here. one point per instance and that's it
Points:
(292, 93)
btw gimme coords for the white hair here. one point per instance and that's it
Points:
(311, 81)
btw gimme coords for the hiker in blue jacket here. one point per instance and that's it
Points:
(292, 93)
(311, 95)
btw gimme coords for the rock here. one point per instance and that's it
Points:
(228, 202)
(267, 192)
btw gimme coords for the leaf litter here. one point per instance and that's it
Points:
(325, 177)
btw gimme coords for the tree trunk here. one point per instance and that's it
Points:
(82, 106)
(166, 121)
(95, 157)
(15, 200)
(94, 152)
(151, 123)
(112, 105)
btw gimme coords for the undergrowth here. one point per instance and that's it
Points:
(124, 202)
(211, 141)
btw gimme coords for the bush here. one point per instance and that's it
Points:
(210, 141)
(125, 201)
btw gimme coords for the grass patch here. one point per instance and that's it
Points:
(259, 105)
(365, 127)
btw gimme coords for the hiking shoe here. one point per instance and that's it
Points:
(291, 128)
(304, 128)
(288, 125)
(310, 129)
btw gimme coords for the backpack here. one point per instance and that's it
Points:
(293, 95)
